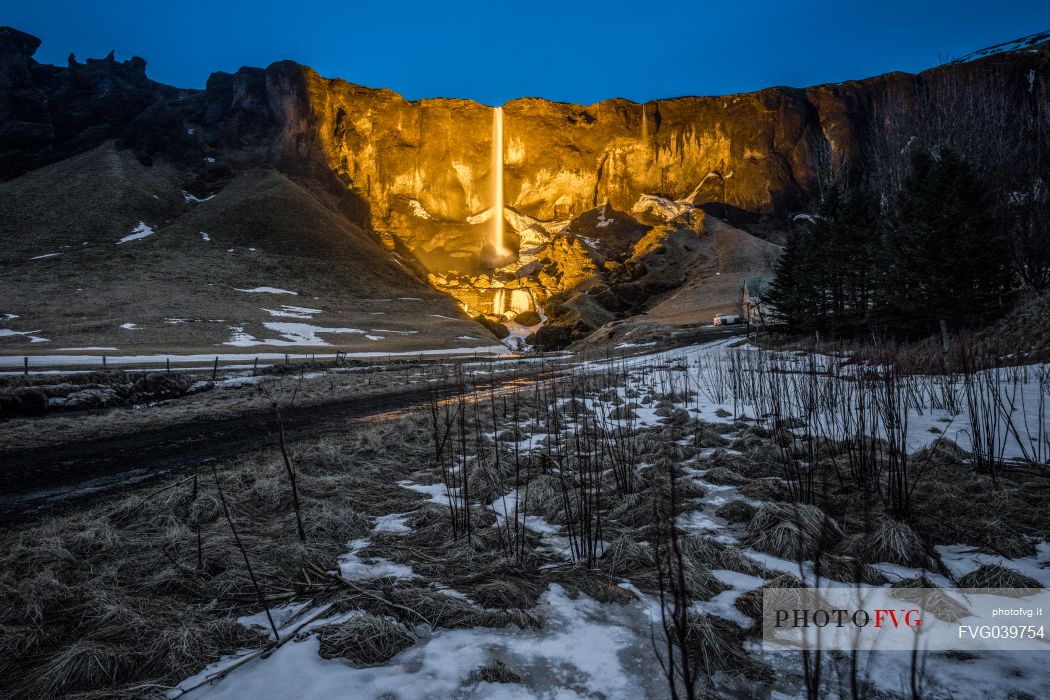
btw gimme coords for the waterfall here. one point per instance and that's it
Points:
(520, 300)
(511, 301)
(645, 126)
(497, 181)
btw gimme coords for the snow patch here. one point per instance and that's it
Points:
(8, 333)
(585, 649)
(266, 290)
(291, 334)
(353, 568)
(287, 311)
(138, 233)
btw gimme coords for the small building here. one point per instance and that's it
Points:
(728, 319)
(755, 290)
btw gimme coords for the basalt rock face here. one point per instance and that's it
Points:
(425, 167)
(419, 175)
(48, 113)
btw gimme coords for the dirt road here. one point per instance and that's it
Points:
(38, 478)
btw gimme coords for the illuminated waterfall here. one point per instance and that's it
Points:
(512, 301)
(497, 182)
(645, 126)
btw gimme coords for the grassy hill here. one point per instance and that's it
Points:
(127, 244)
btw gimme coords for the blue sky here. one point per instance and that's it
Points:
(497, 50)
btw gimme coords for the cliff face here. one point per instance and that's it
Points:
(48, 113)
(425, 167)
(426, 163)
(420, 174)
(560, 159)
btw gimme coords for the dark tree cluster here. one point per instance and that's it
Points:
(947, 246)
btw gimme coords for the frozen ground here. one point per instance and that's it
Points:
(592, 649)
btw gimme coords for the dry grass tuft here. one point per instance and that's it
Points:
(724, 476)
(632, 509)
(792, 531)
(921, 591)
(716, 645)
(508, 592)
(737, 512)
(364, 640)
(626, 556)
(781, 588)
(715, 555)
(495, 672)
(997, 576)
(765, 490)
(849, 570)
(894, 542)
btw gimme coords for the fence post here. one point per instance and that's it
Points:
(103, 362)
(167, 364)
(215, 368)
(26, 361)
(255, 365)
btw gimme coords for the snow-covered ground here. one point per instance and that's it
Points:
(42, 361)
(935, 406)
(585, 650)
(592, 649)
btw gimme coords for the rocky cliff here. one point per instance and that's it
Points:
(424, 167)
(419, 174)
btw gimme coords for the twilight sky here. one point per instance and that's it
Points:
(497, 50)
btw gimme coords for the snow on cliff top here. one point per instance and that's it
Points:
(1026, 42)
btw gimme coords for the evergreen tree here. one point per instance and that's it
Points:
(947, 258)
(825, 277)
(789, 296)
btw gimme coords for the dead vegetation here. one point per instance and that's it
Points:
(555, 483)
(80, 592)
(364, 640)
